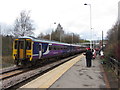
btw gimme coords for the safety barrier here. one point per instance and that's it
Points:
(115, 65)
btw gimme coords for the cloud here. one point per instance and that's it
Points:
(73, 15)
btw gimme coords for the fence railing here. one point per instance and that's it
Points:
(115, 65)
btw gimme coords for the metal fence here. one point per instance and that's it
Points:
(115, 65)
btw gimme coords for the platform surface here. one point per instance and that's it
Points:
(72, 74)
(80, 76)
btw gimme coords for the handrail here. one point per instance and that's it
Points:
(115, 65)
(116, 61)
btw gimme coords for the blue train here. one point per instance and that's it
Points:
(30, 50)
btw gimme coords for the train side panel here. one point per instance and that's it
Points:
(29, 50)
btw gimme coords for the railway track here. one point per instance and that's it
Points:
(12, 79)
(12, 73)
(6, 70)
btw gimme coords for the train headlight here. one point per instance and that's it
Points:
(28, 56)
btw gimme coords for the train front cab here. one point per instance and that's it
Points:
(22, 51)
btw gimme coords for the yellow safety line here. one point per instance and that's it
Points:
(46, 80)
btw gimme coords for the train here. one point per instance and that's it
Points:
(30, 50)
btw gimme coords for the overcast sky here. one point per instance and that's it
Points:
(73, 15)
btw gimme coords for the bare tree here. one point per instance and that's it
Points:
(23, 25)
(60, 35)
(41, 36)
(112, 47)
(6, 29)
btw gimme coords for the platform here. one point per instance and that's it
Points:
(72, 74)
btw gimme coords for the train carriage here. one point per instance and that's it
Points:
(28, 50)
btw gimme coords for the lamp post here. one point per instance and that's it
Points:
(61, 34)
(90, 25)
(50, 36)
(72, 37)
(102, 40)
(51, 33)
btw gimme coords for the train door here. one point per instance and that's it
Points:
(40, 50)
(21, 49)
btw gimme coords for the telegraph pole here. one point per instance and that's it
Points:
(102, 39)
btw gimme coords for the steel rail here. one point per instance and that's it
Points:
(15, 80)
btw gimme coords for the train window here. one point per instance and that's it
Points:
(21, 44)
(50, 47)
(65, 47)
(28, 45)
(60, 47)
(40, 48)
(15, 46)
(54, 47)
(37, 47)
(57, 47)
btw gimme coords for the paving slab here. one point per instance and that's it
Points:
(80, 76)
(72, 74)
(47, 79)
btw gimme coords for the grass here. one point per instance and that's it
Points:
(7, 61)
(112, 78)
